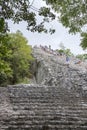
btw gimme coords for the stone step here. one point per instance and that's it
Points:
(47, 127)
(45, 108)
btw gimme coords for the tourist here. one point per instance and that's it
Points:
(67, 59)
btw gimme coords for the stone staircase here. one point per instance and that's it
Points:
(35, 107)
(57, 100)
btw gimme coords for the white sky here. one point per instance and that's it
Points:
(60, 36)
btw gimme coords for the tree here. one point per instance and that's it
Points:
(82, 56)
(15, 58)
(5, 55)
(64, 50)
(68, 52)
(20, 10)
(72, 13)
(21, 56)
(84, 40)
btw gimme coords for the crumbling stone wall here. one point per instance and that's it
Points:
(53, 71)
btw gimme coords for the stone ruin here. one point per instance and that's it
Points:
(56, 99)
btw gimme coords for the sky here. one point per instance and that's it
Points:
(61, 35)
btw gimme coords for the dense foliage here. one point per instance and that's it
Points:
(5, 55)
(15, 58)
